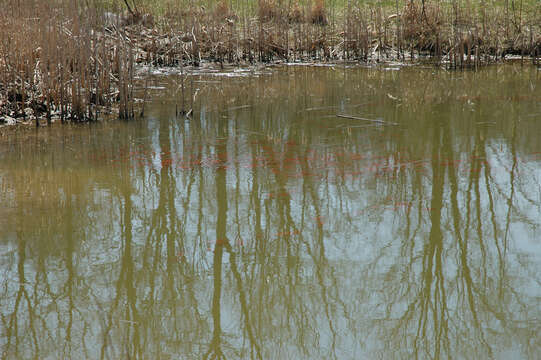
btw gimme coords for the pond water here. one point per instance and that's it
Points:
(266, 227)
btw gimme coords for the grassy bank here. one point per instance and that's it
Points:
(73, 59)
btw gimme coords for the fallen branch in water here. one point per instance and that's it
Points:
(365, 119)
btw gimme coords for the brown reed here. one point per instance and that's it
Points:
(59, 61)
(75, 59)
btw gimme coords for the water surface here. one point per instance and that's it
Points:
(266, 227)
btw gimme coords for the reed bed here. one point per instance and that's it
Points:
(73, 59)
(55, 64)
(460, 33)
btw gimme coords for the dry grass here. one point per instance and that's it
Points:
(310, 30)
(318, 16)
(73, 59)
(55, 64)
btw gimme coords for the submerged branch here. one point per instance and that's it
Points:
(365, 119)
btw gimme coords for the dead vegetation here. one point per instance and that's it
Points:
(458, 33)
(54, 64)
(71, 60)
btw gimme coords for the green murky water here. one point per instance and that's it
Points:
(269, 228)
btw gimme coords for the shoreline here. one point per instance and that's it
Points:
(72, 61)
(213, 69)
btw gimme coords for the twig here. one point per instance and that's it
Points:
(365, 119)
(239, 107)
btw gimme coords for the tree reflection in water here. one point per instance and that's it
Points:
(264, 228)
